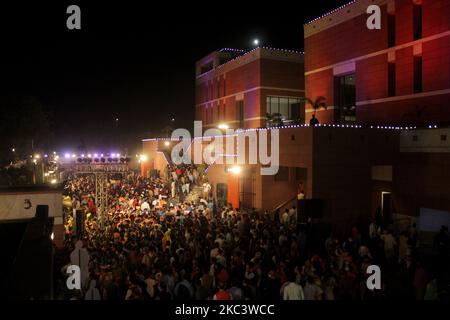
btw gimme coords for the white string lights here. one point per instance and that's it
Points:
(341, 126)
(331, 12)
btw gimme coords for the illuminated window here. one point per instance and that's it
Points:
(287, 107)
(345, 91)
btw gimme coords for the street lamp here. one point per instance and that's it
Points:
(223, 126)
(143, 158)
(256, 42)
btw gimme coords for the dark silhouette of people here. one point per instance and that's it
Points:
(313, 122)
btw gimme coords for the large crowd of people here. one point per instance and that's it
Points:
(153, 248)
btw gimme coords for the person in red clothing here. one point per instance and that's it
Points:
(420, 281)
(91, 206)
(222, 274)
(222, 294)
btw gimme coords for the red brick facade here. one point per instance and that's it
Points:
(340, 43)
(250, 78)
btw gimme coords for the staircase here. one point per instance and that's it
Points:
(194, 195)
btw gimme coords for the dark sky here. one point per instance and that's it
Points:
(130, 61)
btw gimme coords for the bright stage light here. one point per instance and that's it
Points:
(223, 126)
(235, 170)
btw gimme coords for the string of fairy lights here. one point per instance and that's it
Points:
(331, 12)
(341, 126)
(249, 52)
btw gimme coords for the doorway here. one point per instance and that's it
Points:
(386, 201)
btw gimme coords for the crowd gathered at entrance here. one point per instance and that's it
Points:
(153, 248)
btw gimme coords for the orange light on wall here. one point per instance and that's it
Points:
(233, 190)
(144, 166)
(234, 174)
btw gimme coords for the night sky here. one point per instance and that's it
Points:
(130, 61)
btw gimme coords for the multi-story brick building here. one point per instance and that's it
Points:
(399, 74)
(238, 89)
(381, 79)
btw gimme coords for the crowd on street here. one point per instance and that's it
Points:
(154, 248)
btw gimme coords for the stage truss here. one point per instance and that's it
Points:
(101, 172)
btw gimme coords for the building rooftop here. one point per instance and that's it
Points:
(343, 13)
(228, 58)
(331, 12)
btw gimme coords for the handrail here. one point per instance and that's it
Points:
(283, 204)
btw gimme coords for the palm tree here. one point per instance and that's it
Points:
(319, 102)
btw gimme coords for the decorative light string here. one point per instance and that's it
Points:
(345, 126)
(331, 12)
(231, 49)
(248, 52)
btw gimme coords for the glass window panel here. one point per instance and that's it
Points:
(274, 104)
(284, 108)
(294, 105)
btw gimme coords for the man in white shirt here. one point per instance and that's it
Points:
(145, 206)
(206, 190)
(293, 291)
